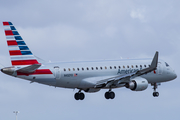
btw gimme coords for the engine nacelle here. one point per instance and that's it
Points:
(137, 84)
(91, 90)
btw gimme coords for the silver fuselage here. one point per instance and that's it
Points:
(77, 74)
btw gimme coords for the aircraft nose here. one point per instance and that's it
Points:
(174, 75)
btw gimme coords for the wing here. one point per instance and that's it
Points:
(115, 81)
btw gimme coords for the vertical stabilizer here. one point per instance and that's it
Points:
(19, 52)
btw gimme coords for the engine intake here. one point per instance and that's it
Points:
(137, 84)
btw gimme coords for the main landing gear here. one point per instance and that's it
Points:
(109, 95)
(155, 94)
(79, 95)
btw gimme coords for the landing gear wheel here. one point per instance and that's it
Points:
(112, 95)
(155, 94)
(106, 95)
(109, 95)
(79, 96)
(76, 96)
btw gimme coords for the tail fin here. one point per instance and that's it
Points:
(19, 52)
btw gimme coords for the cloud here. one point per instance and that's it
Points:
(138, 14)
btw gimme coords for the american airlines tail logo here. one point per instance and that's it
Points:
(19, 52)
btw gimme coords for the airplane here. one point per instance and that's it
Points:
(87, 76)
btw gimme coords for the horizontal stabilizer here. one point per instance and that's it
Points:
(29, 69)
(1, 66)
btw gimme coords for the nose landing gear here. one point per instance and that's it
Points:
(155, 94)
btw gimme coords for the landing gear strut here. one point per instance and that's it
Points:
(79, 95)
(155, 94)
(109, 95)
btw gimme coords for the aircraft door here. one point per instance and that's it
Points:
(57, 72)
(160, 70)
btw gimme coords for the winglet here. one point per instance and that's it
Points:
(154, 61)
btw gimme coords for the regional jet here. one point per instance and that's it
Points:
(87, 76)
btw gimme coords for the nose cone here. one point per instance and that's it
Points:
(173, 75)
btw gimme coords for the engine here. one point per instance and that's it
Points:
(137, 84)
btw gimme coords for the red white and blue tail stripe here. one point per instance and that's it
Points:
(19, 52)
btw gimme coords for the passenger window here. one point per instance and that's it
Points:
(92, 68)
(82, 68)
(78, 69)
(119, 67)
(144, 65)
(132, 66)
(128, 66)
(140, 66)
(96, 68)
(105, 67)
(101, 68)
(73, 69)
(69, 69)
(87, 68)
(110, 67)
(64, 69)
(114, 67)
(123, 66)
(136, 66)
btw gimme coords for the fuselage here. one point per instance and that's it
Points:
(76, 74)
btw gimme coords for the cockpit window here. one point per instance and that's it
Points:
(166, 64)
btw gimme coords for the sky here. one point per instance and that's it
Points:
(76, 30)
